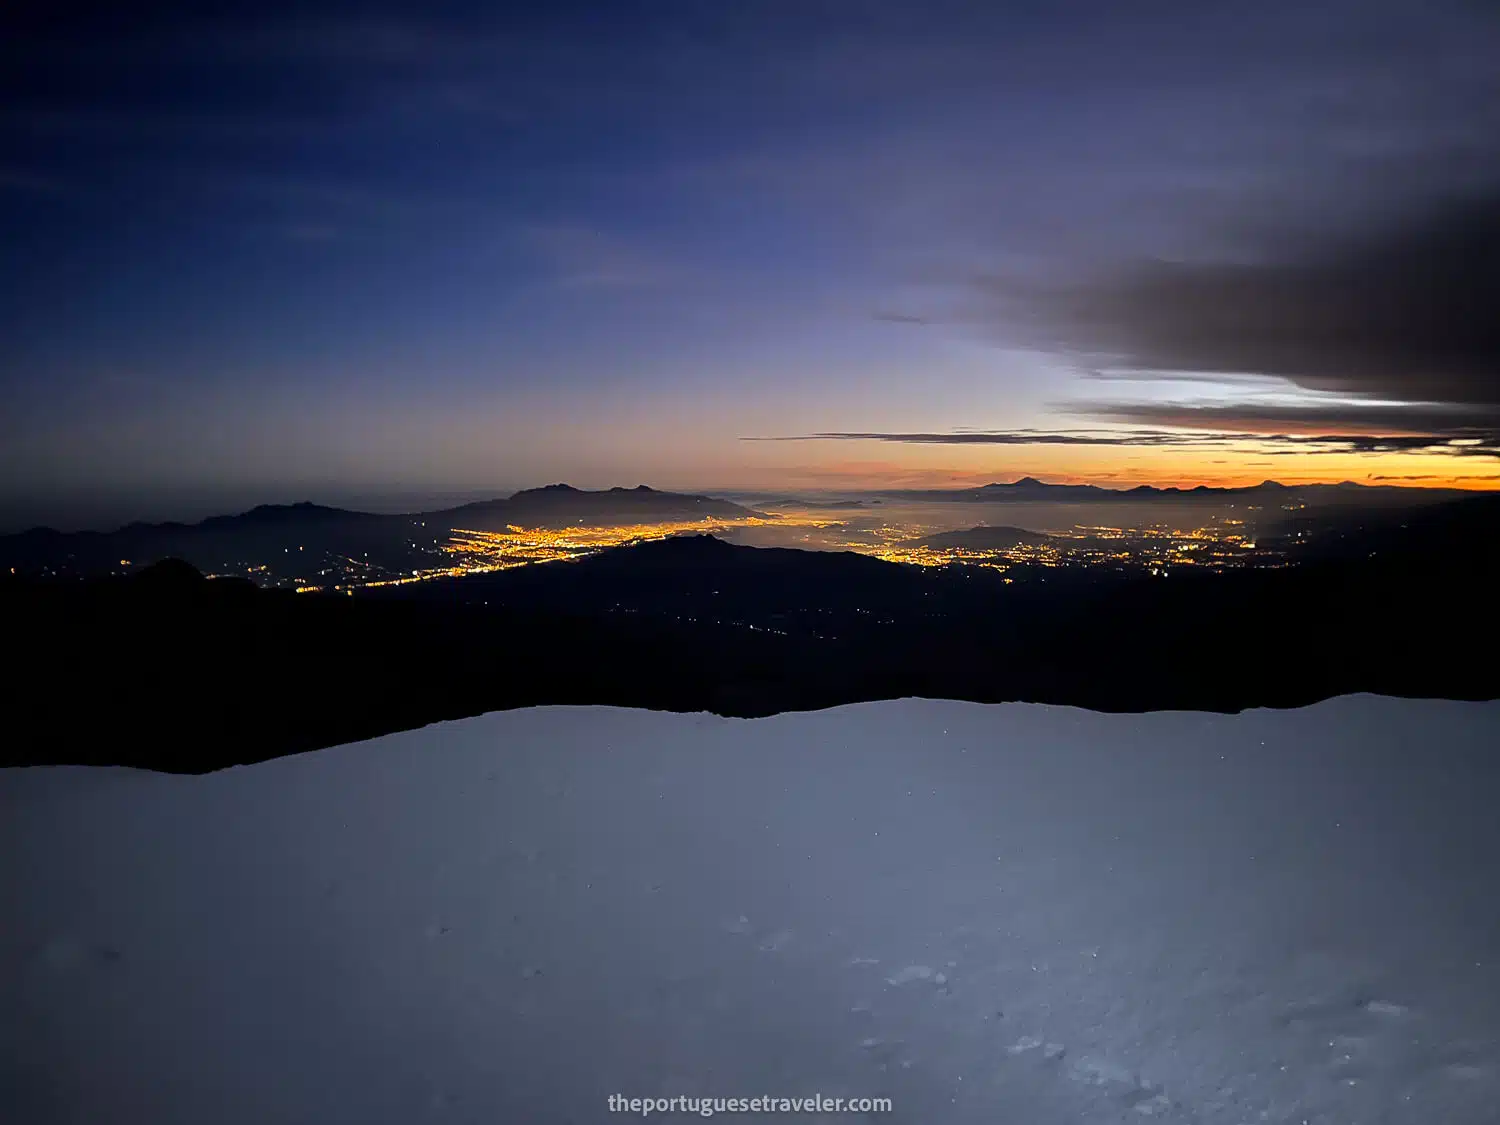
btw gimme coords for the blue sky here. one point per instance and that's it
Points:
(336, 250)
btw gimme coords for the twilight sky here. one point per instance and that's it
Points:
(354, 251)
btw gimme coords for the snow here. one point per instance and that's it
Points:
(986, 913)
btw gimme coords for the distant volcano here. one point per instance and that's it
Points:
(561, 505)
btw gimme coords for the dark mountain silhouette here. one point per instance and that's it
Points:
(216, 543)
(1031, 489)
(168, 670)
(983, 539)
(560, 505)
(1030, 486)
(1460, 533)
(694, 576)
(303, 514)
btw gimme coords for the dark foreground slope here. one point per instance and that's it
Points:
(172, 671)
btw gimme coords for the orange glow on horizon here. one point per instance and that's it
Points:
(887, 475)
(937, 465)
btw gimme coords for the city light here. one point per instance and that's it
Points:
(1217, 545)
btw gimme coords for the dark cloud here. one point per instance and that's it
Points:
(1483, 443)
(1404, 310)
(998, 437)
(1427, 476)
(1430, 421)
(901, 318)
(1363, 443)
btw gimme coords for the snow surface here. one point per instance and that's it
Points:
(987, 913)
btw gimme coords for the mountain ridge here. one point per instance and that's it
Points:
(308, 509)
(311, 510)
(1029, 488)
(300, 540)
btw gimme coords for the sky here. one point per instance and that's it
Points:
(339, 251)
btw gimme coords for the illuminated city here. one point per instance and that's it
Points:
(483, 552)
(1215, 544)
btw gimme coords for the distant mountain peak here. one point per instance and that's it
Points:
(295, 506)
(1024, 482)
(266, 514)
(562, 504)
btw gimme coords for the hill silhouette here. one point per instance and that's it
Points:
(984, 538)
